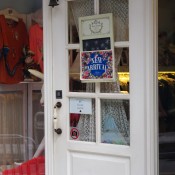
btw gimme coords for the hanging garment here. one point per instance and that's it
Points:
(114, 122)
(111, 133)
(36, 43)
(13, 38)
(74, 119)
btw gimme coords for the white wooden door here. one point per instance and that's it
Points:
(111, 135)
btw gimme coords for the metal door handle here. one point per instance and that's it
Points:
(57, 129)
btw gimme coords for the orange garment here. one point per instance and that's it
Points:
(14, 36)
(36, 43)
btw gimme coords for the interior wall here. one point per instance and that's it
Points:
(22, 6)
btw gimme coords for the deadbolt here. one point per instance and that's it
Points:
(58, 104)
(58, 131)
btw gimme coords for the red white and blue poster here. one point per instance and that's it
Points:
(97, 48)
(96, 65)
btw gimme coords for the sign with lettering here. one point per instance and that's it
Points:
(97, 62)
(80, 106)
(97, 65)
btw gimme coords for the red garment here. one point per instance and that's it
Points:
(74, 119)
(35, 166)
(14, 36)
(36, 43)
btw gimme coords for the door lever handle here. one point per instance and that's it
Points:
(57, 129)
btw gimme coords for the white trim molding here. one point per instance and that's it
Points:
(48, 82)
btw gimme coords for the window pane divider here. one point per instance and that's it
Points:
(73, 46)
(121, 44)
(99, 95)
(113, 96)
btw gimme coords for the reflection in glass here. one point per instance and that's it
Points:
(78, 9)
(75, 84)
(166, 86)
(121, 85)
(82, 126)
(120, 11)
(115, 122)
(38, 118)
(12, 128)
(16, 145)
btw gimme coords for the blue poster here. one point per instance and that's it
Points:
(97, 65)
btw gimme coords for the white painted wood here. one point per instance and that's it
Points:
(137, 86)
(60, 63)
(97, 164)
(65, 157)
(143, 72)
(121, 44)
(62, 145)
(152, 87)
(48, 86)
(100, 95)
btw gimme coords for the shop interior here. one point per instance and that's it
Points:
(21, 106)
(166, 85)
(22, 128)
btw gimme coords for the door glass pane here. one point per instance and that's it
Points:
(166, 86)
(22, 127)
(78, 9)
(82, 120)
(115, 122)
(75, 85)
(13, 139)
(120, 11)
(121, 85)
(38, 118)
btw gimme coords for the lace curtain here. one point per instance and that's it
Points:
(11, 130)
(86, 124)
(11, 113)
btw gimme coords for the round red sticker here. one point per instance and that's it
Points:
(74, 133)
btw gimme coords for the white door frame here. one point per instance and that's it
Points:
(146, 105)
(151, 76)
(48, 82)
(143, 12)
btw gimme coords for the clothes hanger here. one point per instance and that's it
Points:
(11, 16)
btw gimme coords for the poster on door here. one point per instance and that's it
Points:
(97, 63)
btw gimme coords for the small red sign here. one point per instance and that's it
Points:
(74, 133)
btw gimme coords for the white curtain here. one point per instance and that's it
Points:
(113, 109)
